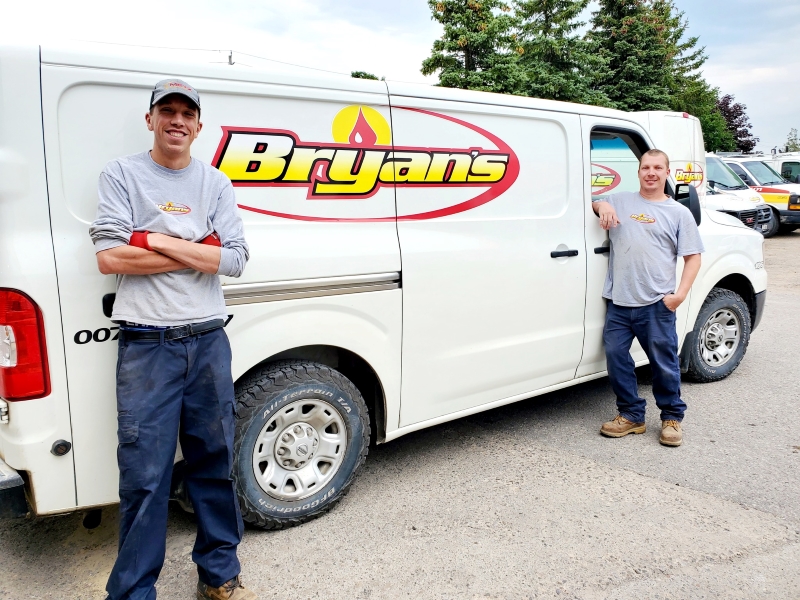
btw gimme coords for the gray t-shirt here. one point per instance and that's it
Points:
(645, 247)
(138, 194)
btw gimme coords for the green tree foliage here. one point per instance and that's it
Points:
(362, 75)
(555, 60)
(629, 37)
(792, 141)
(477, 49)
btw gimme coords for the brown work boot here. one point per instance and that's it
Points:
(230, 590)
(620, 426)
(671, 434)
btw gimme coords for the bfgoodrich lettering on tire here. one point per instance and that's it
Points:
(302, 433)
(720, 336)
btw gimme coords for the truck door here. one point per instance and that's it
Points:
(613, 149)
(490, 220)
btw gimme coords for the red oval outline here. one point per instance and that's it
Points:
(608, 188)
(512, 172)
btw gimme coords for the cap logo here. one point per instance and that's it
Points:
(173, 84)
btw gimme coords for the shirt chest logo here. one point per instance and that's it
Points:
(643, 218)
(173, 208)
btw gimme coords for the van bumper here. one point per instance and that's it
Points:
(790, 217)
(761, 301)
(12, 493)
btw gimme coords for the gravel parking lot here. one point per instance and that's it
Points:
(526, 501)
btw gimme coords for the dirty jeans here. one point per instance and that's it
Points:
(181, 386)
(654, 327)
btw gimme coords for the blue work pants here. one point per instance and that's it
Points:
(654, 327)
(165, 388)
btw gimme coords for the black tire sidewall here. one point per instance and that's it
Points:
(272, 508)
(774, 224)
(735, 303)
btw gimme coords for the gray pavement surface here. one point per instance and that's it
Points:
(525, 501)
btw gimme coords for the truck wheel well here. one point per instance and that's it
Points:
(741, 285)
(352, 366)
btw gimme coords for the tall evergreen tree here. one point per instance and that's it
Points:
(477, 50)
(629, 36)
(555, 60)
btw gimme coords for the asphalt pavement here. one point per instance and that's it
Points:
(525, 501)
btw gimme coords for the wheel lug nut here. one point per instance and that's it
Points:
(286, 463)
(285, 437)
(298, 430)
(310, 432)
(281, 451)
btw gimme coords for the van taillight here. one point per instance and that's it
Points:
(24, 374)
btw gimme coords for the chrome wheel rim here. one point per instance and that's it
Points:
(299, 450)
(720, 337)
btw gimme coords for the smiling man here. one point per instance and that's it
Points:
(648, 231)
(167, 225)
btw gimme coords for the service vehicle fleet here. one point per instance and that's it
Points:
(782, 195)
(417, 254)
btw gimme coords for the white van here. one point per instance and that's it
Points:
(782, 195)
(418, 254)
(785, 163)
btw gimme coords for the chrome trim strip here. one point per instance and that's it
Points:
(246, 293)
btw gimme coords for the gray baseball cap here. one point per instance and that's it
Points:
(165, 87)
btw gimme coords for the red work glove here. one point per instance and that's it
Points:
(139, 239)
(211, 240)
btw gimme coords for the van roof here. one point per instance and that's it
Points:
(214, 65)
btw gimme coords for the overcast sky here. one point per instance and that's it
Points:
(752, 46)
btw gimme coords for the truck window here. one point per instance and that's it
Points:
(721, 176)
(737, 169)
(615, 163)
(791, 171)
(763, 173)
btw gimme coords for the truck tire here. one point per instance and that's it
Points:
(302, 434)
(784, 229)
(774, 224)
(720, 336)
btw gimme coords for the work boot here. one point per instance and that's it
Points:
(671, 434)
(230, 590)
(620, 426)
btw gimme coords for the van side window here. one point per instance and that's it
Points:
(615, 163)
(791, 171)
(737, 169)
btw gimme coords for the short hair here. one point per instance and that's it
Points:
(655, 152)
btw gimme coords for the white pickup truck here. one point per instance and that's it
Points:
(418, 254)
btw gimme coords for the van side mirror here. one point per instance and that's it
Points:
(686, 194)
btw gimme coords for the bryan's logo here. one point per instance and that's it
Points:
(604, 179)
(693, 173)
(174, 209)
(643, 218)
(360, 160)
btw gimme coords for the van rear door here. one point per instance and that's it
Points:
(489, 313)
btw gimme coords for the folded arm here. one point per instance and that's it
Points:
(130, 260)
(200, 257)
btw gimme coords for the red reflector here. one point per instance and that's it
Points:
(24, 374)
(685, 115)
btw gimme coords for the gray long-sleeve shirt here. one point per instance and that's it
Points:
(137, 194)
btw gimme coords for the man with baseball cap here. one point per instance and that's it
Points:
(167, 226)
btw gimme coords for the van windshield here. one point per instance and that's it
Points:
(721, 176)
(763, 173)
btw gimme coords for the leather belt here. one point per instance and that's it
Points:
(172, 333)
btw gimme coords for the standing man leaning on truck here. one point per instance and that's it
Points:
(642, 298)
(167, 225)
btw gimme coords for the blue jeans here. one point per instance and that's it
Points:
(181, 385)
(654, 327)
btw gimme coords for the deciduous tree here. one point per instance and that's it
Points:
(738, 122)
(792, 141)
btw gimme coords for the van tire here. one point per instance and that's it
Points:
(774, 224)
(722, 312)
(266, 401)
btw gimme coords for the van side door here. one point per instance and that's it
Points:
(490, 220)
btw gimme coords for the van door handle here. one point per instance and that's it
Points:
(602, 249)
(560, 253)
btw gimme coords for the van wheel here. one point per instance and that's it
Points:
(789, 228)
(720, 336)
(774, 224)
(302, 433)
